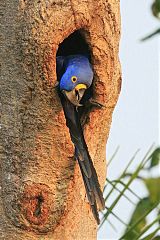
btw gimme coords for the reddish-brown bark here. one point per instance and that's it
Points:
(42, 195)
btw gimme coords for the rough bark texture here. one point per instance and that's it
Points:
(42, 195)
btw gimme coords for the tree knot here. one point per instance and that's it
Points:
(34, 204)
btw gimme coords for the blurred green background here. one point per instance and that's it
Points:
(132, 190)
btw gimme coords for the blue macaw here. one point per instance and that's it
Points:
(75, 76)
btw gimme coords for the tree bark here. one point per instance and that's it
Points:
(42, 195)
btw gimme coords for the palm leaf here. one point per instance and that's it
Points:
(138, 225)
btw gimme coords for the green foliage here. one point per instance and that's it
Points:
(138, 226)
(151, 35)
(156, 8)
(155, 158)
(156, 238)
(156, 12)
(153, 186)
(151, 236)
(138, 214)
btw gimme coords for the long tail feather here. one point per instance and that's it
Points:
(90, 194)
(88, 171)
(97, 190)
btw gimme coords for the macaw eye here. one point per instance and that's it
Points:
(74, 79)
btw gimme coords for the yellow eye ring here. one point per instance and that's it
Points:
(74, 79)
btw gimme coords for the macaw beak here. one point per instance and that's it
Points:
(76, 94)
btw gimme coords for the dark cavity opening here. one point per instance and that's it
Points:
(40, 200)
(75, 43)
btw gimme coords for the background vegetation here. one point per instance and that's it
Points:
(140, 225)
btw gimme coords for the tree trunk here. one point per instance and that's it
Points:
(42, 195)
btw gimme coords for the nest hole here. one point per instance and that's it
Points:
(75, 43)
(37, 211)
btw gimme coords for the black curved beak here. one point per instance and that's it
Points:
(76, 94)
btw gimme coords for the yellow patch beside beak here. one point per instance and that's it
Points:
(80, 86)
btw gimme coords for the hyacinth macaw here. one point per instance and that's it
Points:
(75, 76)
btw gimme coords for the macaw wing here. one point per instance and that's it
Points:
(88, 171)
(76, 133)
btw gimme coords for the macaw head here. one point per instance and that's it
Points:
(76, 79)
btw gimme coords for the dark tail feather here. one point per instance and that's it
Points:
(97, 190)
(88, 171)
(89, 186)
(94, 183)
(86, 165)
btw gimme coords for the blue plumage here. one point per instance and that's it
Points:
(75, 75)
(76, 66)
